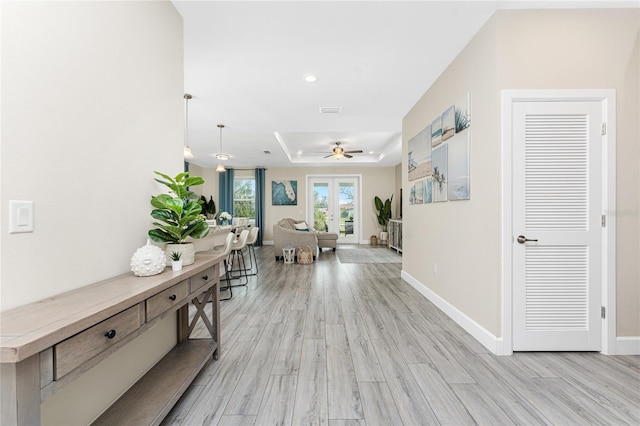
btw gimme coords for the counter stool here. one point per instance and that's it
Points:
(225, 250)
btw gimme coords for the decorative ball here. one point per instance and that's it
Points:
(148, 260)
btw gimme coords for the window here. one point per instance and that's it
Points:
(244, 197)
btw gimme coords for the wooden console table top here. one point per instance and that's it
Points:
(29, 329)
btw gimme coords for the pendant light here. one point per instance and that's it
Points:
(187, 150)
(220, 155)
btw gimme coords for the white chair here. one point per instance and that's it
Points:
(225, 250)
(237, 260)
(251, 241)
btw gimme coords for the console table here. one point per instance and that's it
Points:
(47, 344)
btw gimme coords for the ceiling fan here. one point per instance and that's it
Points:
(338, 152)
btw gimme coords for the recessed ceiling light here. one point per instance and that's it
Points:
(310, 78)
(371, 152)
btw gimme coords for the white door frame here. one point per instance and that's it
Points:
(608, 99)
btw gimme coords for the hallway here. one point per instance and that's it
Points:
(352, 344)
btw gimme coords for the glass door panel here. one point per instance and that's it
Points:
(334, 206)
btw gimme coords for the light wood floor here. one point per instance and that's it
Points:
(352, 344)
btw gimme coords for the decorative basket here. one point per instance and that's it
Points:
(373, 240)
(305, 257)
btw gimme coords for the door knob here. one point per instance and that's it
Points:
(522, 239)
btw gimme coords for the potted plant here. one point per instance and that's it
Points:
(225, 218)
(208, 207)
(176, 261)
(383, 210)
(178, 215)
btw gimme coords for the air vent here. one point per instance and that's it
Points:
(330, 110)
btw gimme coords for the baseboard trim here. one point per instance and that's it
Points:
(481, 334)
(628, 345)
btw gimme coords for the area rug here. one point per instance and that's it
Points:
(368, 255)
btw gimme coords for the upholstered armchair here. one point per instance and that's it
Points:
(285, 233)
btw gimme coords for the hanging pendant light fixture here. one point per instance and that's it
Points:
(187, 150)
(220, 155)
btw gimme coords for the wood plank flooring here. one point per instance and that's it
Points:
(352, 344)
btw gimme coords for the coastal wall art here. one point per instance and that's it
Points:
(419, 161)
(284, 192)
(439, 159)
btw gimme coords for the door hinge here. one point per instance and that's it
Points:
(603, 312)
(604, 220)
(604, 128)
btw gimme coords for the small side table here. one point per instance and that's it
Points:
(288, 253)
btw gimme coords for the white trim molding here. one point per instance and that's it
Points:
(607, 97)
(481, 334)
(628, 345)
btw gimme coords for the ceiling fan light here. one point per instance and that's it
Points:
(187, 152)
(220, 168)
(222, 157)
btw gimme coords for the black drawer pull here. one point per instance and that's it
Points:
(206, 277)
(110, 334)
(172, 297)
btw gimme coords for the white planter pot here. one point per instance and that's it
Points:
(383, 235)
(188, 255)
(176, 265)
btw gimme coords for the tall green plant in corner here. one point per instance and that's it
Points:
(383, 211)
(178, 213)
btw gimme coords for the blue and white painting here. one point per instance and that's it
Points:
(459, 167)
(428, 193)
(440, 174)
(436, 131)
(419, 161)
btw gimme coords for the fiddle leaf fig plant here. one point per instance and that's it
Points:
(178, 213)
(383, 211)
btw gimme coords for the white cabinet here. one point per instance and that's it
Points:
(395, 234)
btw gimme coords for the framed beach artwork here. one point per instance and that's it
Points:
(462, 114)
(458, 185)
(428, 192)
(448, 123)
(419, 193)
(440, 174)
(436, 132)
(284, 193)
(419, 156)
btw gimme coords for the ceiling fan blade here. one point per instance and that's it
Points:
(347, 155)
(354, 152)
(330, 155)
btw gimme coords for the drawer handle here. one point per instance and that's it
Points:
(206, 277)
(172, 297)
(110, 334)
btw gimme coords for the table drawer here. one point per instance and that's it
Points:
(201, 279)
(74, 351)
(163, 301)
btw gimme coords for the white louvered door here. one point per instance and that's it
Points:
(557, 233)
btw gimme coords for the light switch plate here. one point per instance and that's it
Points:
(20, 216)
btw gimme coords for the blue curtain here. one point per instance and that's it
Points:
(225, 189)
(260, 204)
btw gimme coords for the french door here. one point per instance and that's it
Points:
(333, 205)
(557, 231)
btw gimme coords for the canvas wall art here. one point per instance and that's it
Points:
(440, 174)
(419, 161)
(284, 192)
(436, 131)
(448, 123)
(458, 187)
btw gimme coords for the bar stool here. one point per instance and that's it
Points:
(225, 250)
(237, 257)
(251, 241)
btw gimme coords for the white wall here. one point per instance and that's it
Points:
(542, 49)
(92, 104)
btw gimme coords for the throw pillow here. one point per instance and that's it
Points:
(301, 226)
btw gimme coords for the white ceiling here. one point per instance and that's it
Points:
(245, 62)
